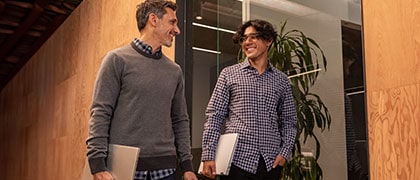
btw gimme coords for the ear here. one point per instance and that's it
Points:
(153, 19)
(269, 42)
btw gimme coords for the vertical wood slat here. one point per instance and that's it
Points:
(45, 107)
(392, 65)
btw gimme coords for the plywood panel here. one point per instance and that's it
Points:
(392, 64)
(392, 44)
(394, 135)
(45, 108)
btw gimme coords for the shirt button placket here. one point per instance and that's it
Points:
(260, 106)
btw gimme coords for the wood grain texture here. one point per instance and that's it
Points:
(392, 49)
(394, 136)
(392, 66)
(45, 108)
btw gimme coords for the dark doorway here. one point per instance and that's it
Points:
(355, 115)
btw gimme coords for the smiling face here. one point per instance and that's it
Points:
(167, 28)
(254, 47)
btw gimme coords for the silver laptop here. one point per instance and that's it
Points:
(224, 153)
(122, 162)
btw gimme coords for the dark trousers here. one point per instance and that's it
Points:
(236, 173)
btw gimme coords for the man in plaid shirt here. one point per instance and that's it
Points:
(255, 100)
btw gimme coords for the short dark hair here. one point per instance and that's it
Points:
(265, 30)
(152, 6)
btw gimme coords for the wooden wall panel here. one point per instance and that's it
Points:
(392, 63)
(45, 108)
(394, 133)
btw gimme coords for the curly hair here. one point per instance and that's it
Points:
(152, 6)
(265, 30)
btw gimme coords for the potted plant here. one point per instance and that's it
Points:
(299, 57)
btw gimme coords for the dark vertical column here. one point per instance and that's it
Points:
(183, 47)
(183, 52)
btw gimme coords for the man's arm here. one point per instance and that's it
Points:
(216, 113)
(105, 95)
(181, 126)
(288, 119)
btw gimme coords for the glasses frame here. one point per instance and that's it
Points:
(253, 36)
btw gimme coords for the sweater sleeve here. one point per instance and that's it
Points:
(105, 95)
(180, 122)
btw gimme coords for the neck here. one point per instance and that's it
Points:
(259, 64)
(149, 40)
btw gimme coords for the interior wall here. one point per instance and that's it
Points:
(45, 107)
(392, 56)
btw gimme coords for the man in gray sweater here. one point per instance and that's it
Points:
(139, 101)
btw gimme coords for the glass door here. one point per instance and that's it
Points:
(322, 21)
(208, 48)
(213, 23)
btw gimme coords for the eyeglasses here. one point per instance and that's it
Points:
(252, 36)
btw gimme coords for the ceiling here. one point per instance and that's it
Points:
(24, 26)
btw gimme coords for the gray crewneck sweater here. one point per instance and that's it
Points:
(139, 101)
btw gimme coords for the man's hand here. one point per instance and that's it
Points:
(209, 169)
(189, 175)
(104, 175)
(280, 160)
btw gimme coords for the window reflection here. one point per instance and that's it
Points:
(212, 50)
(356, 138)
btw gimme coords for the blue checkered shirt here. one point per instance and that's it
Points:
(154, 175)
(161, 173)
(258, 107)
(147, 48)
